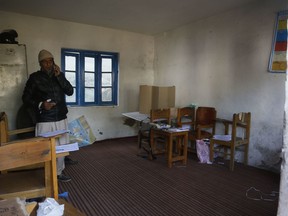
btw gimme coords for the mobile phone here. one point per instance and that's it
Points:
(54, 69)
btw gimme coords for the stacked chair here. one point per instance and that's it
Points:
(201, 123)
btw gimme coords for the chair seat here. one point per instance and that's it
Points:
(31, 183)
(239, 141)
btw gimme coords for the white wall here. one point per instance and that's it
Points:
(136, 62)
(222, 61)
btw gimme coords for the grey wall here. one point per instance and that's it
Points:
(222, 61)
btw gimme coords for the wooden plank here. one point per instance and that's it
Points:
(24, 154)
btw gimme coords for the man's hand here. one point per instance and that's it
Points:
(56, 70)
(47, 105)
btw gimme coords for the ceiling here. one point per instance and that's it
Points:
(141, 16)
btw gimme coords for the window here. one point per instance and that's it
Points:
(93, 75)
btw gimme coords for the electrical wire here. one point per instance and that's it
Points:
(262, 196)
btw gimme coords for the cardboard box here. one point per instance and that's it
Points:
(156, 97)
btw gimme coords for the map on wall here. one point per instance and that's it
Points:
(278, 58)
(80, 131)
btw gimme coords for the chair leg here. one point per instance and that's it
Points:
(179, 141)
(246, 154)
(232, 156)
(139, 140)
(226, 153)
(211, 151)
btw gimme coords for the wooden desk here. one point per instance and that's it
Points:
(181, 136)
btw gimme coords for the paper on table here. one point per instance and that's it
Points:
(67, 147)
(222, 137)
(136, 116)
(178, 129)
(53, 133)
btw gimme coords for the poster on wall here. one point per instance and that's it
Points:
(278, 57)
(80, 132)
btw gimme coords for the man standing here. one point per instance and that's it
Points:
(45, 93)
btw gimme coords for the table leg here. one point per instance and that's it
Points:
(170, 150)
(185, 148)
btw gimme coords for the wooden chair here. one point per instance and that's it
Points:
(5, 133)
(204, 126)
(186, 119)
(240, 136)
(160, 116)
(205, 122)
(28, 184)
(157, 116)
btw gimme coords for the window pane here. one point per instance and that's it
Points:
(106, 65)
(72, 98)
(70, 63)
(71, 77)
(89, 64)
(89, 95)
(89, 79)
(106, 79)
(106, 94)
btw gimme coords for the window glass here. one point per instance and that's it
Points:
(106, 79)
(106, 65)
(106, 94)
(89, 79)
(72, 98)
(71, 77)
(70, 63)
(89, 64)
(89, 95)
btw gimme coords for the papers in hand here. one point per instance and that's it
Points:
(53, 133)
(67, 147)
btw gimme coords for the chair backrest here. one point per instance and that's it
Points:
(4, 137)
(205, 122)
(5, 133)
(241, 120)
(205, 115)
(162, 115)
(186, 117)
(29, 152)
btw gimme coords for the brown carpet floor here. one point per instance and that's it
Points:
(111, 180)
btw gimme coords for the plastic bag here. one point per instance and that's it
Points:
(50, 208)
(202, 151)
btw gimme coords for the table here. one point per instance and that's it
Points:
(171, 135)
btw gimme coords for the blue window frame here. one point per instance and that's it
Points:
(93, 75)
